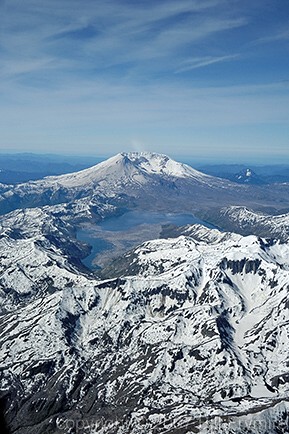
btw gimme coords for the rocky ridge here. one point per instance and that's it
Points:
(196, 336)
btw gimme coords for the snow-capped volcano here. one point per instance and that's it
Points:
(142, 178)
(134, 167)
(139, 179)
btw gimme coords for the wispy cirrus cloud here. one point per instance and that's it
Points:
(100, 35)
(75, 71)
(282, 35)
(200, 62)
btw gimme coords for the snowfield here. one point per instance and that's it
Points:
(200, 332)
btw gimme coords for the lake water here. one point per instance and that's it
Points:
(131, 219)
(98, 245)
(126, 222)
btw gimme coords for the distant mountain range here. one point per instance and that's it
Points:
(187, 333)
(23, 167)
(268, 174)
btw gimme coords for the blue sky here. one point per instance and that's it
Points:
(207, 79)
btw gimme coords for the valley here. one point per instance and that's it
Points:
(114, 236)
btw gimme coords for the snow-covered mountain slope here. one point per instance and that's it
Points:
(38, 246)
(38, 256)
(192, 337)
(246, 221)
(144, 180)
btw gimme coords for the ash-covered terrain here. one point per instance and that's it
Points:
(186, 333)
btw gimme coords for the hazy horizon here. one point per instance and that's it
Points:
(95, 158)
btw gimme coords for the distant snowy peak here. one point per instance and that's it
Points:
(248, 176)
